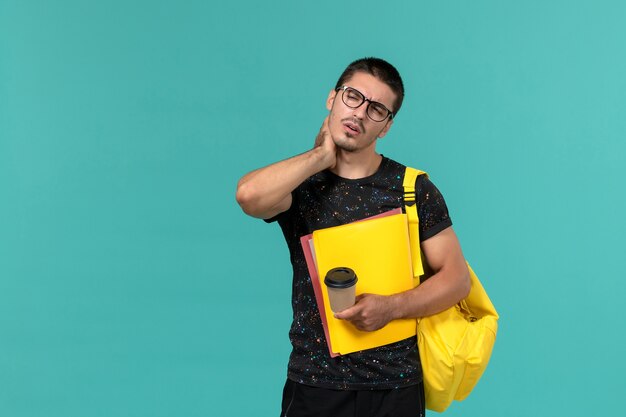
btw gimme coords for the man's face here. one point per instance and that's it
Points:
(351, 129)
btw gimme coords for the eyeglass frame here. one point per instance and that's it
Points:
(390, 114)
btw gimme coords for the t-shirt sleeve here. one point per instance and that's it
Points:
(276, 217)
(432, 209)
(284, 213)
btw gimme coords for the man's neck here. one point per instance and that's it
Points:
(355, 165)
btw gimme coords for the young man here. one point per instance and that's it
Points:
(340, 180)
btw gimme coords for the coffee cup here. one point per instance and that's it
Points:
(341, 285)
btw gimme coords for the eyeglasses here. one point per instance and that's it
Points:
(354, 99)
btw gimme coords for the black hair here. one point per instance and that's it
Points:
(380, 69)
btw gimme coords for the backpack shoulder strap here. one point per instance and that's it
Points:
(410, 176)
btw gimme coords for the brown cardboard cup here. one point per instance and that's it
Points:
(341, 285)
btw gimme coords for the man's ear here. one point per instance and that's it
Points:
(385, 129)
(330, 99)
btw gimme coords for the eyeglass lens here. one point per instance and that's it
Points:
(375, 110)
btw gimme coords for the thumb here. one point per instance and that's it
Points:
(347, 313)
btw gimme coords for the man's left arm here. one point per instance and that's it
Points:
(449, 284)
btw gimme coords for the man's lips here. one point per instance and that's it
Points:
(352, 127)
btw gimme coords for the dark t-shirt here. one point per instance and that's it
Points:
(326, 200)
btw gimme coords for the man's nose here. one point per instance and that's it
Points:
(361, 111)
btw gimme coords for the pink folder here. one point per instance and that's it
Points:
(309, 255)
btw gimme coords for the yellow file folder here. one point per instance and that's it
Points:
(378, 250)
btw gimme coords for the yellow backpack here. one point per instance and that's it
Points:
(454, 345)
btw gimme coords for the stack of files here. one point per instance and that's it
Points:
(378, 250)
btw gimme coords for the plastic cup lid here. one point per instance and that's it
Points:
(341, 277)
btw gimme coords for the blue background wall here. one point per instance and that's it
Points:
(132, 285)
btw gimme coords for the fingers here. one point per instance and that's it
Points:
(352, 312)
(324, 127)
(367, 314)
(325, 143)
(348, 313)
(323, 133)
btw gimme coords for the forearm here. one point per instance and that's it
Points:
(440, 292)
(263, 193)
(447, 286)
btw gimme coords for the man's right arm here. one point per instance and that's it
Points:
(266, 192)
